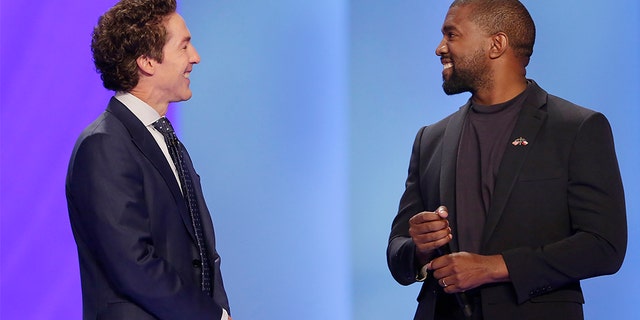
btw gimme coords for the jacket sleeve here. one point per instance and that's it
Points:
(401, 249)
(596, 208)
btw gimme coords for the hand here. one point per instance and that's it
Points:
(461, 271)
(429, 231)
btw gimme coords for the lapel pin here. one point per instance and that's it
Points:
(520, 142)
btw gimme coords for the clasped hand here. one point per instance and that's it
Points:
(456, 272)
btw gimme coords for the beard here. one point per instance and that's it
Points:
(469, 74)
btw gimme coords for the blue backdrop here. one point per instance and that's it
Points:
(301, 126)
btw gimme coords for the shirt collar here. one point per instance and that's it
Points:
(144, 112)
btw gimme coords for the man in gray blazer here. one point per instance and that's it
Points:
(522, 186)
(145, 239)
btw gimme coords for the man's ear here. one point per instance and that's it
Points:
(146, 65)
(499, 44)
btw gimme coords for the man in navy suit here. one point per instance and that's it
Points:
(140, 248)
(522, 186)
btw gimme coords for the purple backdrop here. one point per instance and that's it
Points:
(49, 92)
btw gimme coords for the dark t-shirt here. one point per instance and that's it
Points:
(484, 138)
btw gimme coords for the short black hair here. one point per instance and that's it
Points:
(508, 16)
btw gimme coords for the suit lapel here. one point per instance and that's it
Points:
(450, 143)
(529, 122)
(149, 147)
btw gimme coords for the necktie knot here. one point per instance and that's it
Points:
(164, 126)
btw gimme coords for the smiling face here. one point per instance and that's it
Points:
(171, 77)
(463, 53)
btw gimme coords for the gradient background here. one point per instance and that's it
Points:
(301, 126)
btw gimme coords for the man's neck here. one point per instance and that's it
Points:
(146, 96)
(499, 93)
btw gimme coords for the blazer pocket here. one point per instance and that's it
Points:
(560, 296)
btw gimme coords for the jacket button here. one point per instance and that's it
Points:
(196, 263)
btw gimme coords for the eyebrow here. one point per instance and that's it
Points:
(184, 40)
(447, 28)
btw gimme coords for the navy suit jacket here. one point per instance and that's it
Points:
(557, 214)
(136, 246)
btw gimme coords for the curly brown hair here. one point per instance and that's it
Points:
(130, 29)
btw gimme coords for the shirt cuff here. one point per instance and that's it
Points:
(422, 274)
(225, 315)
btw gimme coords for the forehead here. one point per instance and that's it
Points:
(176, 28)
(459, 18)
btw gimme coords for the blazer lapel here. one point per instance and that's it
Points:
(450, 143)
(149, 147)
(529, 122)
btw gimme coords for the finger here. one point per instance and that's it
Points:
(445, 282)
(441, 265)
(430, 227)
(427, 222)
(431, 245)
(451, 288)
(422, 217)
(442, 211)
(426, 235)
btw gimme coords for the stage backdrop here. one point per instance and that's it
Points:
(301, 127)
